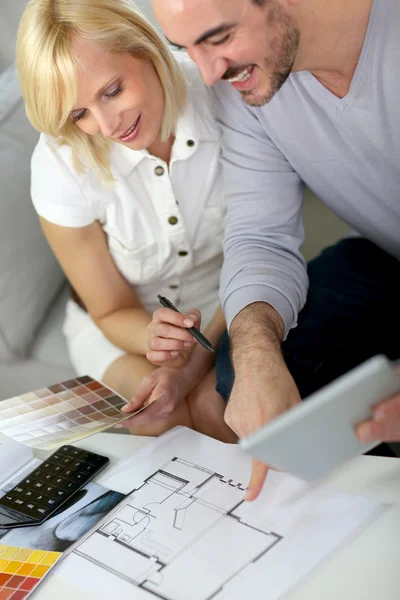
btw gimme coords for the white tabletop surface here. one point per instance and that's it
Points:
(366, 569)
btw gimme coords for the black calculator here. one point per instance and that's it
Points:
(47, 488)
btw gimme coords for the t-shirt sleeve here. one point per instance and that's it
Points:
(57, 187)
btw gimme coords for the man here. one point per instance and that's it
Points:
(309, 94)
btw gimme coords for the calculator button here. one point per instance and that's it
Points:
(70, 486)
(27, 482)
(52, 502)
(76, 465)
(95, 459)
(76, 452)
(58, 470)
(19, 503)
(40, 498)
(89, 469)
(28, 493)
(48, 490)
(58, 481)
(41, 511)
(19, 490)
(48, 477)
(47, 466)
(65, 449)
(38, 485)
(8, 500)
(61, 494)
(80, 477)
(38, 473)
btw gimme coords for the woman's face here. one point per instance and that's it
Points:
(120, 97)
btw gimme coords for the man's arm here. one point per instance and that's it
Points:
(263, 386)
(264, 228)
(264, 280)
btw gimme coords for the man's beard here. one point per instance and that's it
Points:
(281, 66)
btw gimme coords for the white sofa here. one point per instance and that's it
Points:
(33, 289)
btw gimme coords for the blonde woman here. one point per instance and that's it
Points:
(127, 185)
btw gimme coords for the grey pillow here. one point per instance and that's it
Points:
(29, 274)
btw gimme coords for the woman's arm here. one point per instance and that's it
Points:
(111, 302)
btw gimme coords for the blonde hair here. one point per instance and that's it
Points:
(48, 70)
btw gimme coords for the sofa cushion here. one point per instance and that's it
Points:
(50, 346)
(30, 277)
(25, 375)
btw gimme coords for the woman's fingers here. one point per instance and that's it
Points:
(142, 394)
(158, 358)
(168, 338)
(161, 406)
(169, 359)
(184, 341)
(166, 315)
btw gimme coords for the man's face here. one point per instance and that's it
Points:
(251, 43)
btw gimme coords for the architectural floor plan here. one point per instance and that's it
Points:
(183, 518)
(184, 531)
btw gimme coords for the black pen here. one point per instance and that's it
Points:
(192, 330)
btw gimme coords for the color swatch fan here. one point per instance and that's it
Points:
(22, 569)
(61, 414)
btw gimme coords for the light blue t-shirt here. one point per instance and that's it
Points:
(346, 150)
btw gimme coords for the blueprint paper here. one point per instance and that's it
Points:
(185, 532)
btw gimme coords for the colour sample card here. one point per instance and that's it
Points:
(21, 569)
(61, 414)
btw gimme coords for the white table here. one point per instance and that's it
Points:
(367, 569)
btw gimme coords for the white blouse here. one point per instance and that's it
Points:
(164, 223)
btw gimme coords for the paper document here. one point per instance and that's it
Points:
(185, 533)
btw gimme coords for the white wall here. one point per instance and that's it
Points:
(10, 14)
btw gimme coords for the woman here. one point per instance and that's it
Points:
(127, 185)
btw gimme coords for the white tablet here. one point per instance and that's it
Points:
(318, 435)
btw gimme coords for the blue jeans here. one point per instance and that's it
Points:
(352, 313)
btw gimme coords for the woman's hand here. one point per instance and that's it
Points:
(160, 392)
(169, 342)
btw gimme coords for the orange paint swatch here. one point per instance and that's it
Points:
(21, 569)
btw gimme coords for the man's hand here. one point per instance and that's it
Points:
(259, 396)
(385, 423)
(263, 386)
